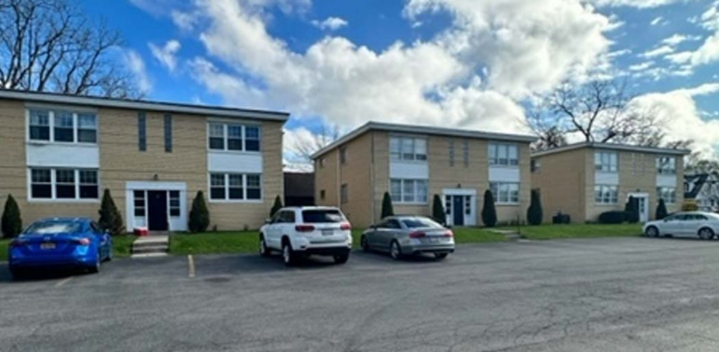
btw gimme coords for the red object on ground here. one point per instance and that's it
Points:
(140, 231)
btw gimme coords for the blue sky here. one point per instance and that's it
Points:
(461, 63)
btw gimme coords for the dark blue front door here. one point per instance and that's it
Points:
(458, 210)
(157, 210)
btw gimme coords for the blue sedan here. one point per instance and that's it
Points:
(60, 242)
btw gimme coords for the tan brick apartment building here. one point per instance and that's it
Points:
(58, 153)
(587, 179)
(414, 163)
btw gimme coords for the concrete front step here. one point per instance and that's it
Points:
(150, 245)
(149, 255)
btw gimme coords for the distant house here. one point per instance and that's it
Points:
(703, 189)
(299, 189)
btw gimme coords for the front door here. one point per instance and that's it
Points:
(157, 210)
(643, 205)
(458, 210)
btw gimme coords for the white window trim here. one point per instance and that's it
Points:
(602, 202)
(414, 149)
(402, 181)
(51, 124)
(509, 202)
(53, 184)
(227, 199)
(225, 134)
(602, 164)
(498, 165)
(666, 172)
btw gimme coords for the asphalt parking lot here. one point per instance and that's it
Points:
(621, 294)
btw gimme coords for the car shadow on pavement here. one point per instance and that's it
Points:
(45, 274)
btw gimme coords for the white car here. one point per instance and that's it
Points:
(302, 231)
(704, 225)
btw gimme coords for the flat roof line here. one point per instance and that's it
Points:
(612, 146)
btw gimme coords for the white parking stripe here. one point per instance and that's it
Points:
(191, 266)
(63, 282)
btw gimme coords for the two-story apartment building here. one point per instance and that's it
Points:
(587, 179)
(59, 153)
(414, 163)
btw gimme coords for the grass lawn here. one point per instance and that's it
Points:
(121, 246)
(215, 243)
(548, 232)
(3, 250)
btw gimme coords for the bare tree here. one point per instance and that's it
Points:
(304, 145)
(50, 46)
(598, 111)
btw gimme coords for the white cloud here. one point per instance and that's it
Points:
(657, 21)
(183, 20)
(677, 39)
(134, 63)
(710, 18)
(681, 118)
(642, 4)
(642, 66)
(517, 45)
(166, 54)
(331, 23)
(707, 53)
(660, 51)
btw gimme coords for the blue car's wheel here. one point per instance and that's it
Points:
(109, 255)
(96, 268)
(16, 274)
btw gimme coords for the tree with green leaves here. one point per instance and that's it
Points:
(438, 213)
(199, 214)
(11, 220)
(534, 212)
(489, 212)
(110, 217)
(387, 209)
(661, 210)
(276, 207)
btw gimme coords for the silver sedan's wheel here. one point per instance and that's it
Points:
(652, 232)
(394, 251)
(706, 233)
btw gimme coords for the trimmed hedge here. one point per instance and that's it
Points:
(387, 208)
(561, 219)
(614, 217)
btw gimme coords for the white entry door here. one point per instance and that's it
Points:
(643, 200)
(460, 208)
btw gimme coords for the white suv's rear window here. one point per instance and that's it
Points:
(322, 216)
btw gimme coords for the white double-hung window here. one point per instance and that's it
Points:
(666, 165)
(606, 161)
(234, 137)
(62, 126)
(503, 154)
(409, 191)
(505, 192)
(63, 184)
(408, 149)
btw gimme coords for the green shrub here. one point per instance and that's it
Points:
(613, 217)
(276, 207)
(561, 218)
(489, 213)
(199, 214)
(110, 216)
(534, 212)
(438, 213)
(661, 210)
(11, 220)
(632, 210)
(387, 209)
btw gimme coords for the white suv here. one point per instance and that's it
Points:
(303, 231)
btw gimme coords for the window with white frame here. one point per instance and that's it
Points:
(62, 126)
(606, 161)
(235, 187)
(503, 154)
(669, 194)
(234, 137)
(139, 203)
(175, 204)
(505, 192)
(666, 165)
(408, 191)
(63, 184)
(408, 149)
(605, 194)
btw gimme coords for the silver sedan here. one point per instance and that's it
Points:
(408, 235)
(701, 224)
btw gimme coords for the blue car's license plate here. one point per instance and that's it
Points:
(47, 246)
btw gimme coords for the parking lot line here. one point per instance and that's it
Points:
(190, 266)
(63, 282)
